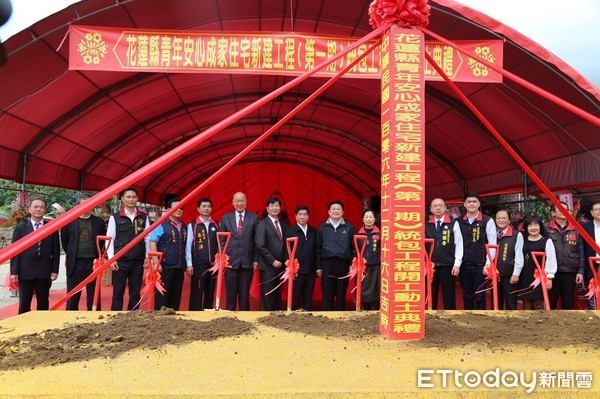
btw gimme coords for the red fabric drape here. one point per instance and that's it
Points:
(293, 184)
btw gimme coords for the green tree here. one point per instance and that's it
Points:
(9, 192)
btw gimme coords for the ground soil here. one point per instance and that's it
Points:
(122, 332)
(117, 334)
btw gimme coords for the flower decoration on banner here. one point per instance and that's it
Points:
(477, 68)
(405, 13)
(92, 48)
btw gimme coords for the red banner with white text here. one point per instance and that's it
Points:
(95, 48)
(402, 308)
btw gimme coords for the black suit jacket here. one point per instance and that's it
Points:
(28, 265)
(588, 250)
(306, 253)
(241, 250)
(69, 236)
(270, 248)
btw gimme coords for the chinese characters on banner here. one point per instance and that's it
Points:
(402, 183)
(136, 50)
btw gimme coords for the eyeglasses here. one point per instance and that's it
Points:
(596, 209)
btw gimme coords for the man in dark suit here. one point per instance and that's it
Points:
(36, 267)
(593, 229)
(304, 283)
(271, 247)
(241, 251)
(79, 242)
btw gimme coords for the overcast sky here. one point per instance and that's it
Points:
(568, 28)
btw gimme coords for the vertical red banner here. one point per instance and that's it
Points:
(402, 184)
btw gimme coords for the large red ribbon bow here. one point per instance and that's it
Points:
(405, 13)
(291, 269)
(153, 280)
(593, 288)
(220, 262)
(356, 268)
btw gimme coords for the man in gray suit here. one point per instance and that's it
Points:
(270, 243)
(242, 253)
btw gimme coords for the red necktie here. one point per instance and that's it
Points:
(278, 230)
(240, 225)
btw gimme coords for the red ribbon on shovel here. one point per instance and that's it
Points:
(153, 279)
(492, 271)
(98, 263)
(594, 287)
(542, 277)
(291, 268)
(358, 268)
(429, 270)
(221, 263)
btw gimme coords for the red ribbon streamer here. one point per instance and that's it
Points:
(355, 268)
(220, 262)
(152, 280)
(9, 284)
(290, 272)
(291, 269)
(594, 289)
(405, 13)
(431, 270)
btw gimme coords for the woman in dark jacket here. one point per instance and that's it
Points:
(372, 281)
(535, 241)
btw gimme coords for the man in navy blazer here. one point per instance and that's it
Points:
(241, 251)
(271, 247)
(79, 242)
(37, 266)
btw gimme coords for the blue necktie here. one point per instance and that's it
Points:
(438, 224)
(39, 245)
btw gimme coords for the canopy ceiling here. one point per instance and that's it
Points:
(86, 130)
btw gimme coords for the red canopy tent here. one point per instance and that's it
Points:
(86, 130)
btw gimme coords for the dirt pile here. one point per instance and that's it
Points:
(540, 329)
(121, 333)
(127, 331)
(354, 325)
